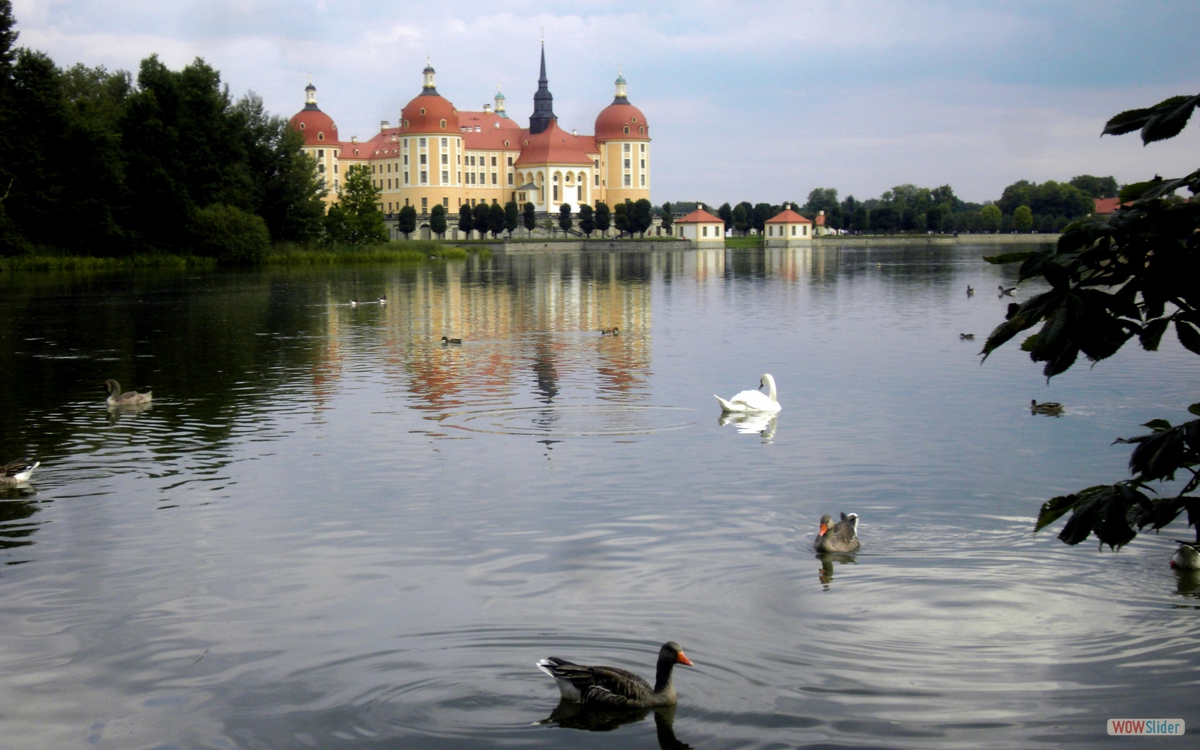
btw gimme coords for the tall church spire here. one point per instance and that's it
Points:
(543, 102)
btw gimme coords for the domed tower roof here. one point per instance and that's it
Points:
(429, 111)
(318, 128)
(621, 121)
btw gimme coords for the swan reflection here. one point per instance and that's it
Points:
(571, 715)
(749, 423)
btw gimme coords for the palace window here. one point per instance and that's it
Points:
(446, 159)
(406, 160)
(627, 163)
(597, 179)
(445, 176)
(642, 131)
(302, 126)
(320, 136)
(320, 153)
(482, 178)
(627, 182)
(421, 141)
(445, 141)
(643, 163)
(424, 205)
(579, 193)
(643, 180)
(509, 158)
(493, 161)
(321, 168)
(406, 178)
(627, 131)
(445, 203)
(510, 179)
(422, 112)
(443, 124)
(495, 177)
(424, 177)
(424, 156)
(335, 169)
(635, 119)
(643, 148)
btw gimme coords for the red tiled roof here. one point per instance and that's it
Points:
(436, 108)
(494, 132)
(821, 219)
(700, 216)
(788, 216)
(310, 122)
(1105, 206)
(553, 146)
(613, 119)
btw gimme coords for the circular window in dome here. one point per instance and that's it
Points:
(635, 118)
(302, 126)
(422, 110)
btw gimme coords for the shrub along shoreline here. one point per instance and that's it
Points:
(283, 254)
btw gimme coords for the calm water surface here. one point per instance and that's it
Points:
(331, 531)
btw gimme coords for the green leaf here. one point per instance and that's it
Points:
(1152, 334)
(1195, 409)
(1158, 425)
(1169, 118)
(1103, 511)
(1126, 122)
(1188, 335)
(1053, 509)
(1134, 190)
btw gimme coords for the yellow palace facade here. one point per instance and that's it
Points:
(438, 154)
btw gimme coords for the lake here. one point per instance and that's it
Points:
(331, 530)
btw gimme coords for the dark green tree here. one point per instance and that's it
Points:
(437, 220)
(990, 214)
(725, 213)
(668, 219)
(603, 217)
(621, 218)
(529, 217)
(481, 219)
(860, 220)
(356, 218)
(1096, 187)
(512, 217)
(741, 219)
(229, 234)
(762, 212)
(885, 219)
(565, 222)
(821, 199)
(587, 220)
(1022, 219)
(1131, 275)
(641, 216)
(406, 221)
(465, 220)
(496, 219)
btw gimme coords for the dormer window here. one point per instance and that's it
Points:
(443, 124)
(302, 126)
(626, 130)
(635, 119)
(422, 110)
(320, 136)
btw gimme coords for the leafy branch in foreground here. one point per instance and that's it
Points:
(1134, 274)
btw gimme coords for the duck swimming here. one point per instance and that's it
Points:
(1187, 557)
(17, 472)
(753, 400)
(614, 331)
(129, 398)
(615, 688)
(837, 537)
(1052, 408)
(446, 341)
(1006, 291)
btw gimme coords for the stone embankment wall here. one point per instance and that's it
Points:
(937, 239)
(605, 246)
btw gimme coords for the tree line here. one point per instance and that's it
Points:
(94, 162)
(1023, 207)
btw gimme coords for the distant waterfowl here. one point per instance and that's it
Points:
(383, 300)
(354, 303)
(1046, 407)
(17, 472)
(614, 331)
(1187, 557)
(970, 291)
(446, 341)
(129, 398)
(753, 400)
(967, 336)
(1006, 290)
(837, 537)
(615, 688)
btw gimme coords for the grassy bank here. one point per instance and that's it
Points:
(410, 251)
(413, 251)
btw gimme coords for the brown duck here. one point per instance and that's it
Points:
(837, 537)
(615, 688)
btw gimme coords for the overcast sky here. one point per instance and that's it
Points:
(758, 101)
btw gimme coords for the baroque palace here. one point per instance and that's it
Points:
(438, 154)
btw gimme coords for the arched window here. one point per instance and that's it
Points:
(635, 118)
(320, 136)
(443, 124)
(626, 130)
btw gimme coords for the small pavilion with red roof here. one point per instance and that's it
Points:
(787, 229)
(701, 228)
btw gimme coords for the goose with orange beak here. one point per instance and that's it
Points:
(616, 688)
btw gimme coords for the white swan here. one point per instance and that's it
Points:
(753, 400)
